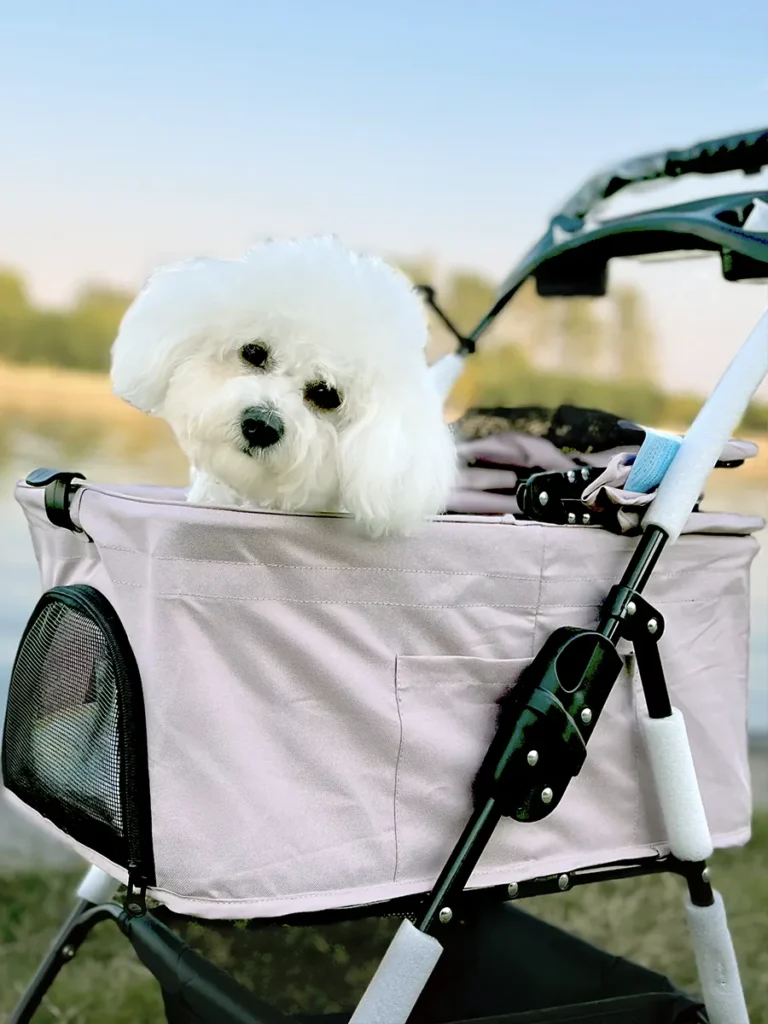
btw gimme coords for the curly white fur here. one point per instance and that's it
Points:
(323, 314)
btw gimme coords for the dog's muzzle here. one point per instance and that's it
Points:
(261, 427)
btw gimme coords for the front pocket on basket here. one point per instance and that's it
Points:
(74, 743)
(447, 708)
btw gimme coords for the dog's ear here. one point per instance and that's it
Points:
(156, 330)
(398, 463)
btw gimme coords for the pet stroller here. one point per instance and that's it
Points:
(257, 716)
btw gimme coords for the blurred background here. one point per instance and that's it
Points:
(438, 135)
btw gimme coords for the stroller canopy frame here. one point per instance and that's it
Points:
(571, 258)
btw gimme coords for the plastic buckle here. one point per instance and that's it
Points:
(556, 497)
(59, 488)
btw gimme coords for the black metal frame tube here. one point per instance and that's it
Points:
(461, 863)
(634, 579)
(470, 846)
(70, 937)
(696, 876)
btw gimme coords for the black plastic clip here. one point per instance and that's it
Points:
(135, 902)
(545, 722)
(640, 620)
(59, 488)
(643, 626)
(556, 498)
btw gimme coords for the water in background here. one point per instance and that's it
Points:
(110, 453)
(104, 452)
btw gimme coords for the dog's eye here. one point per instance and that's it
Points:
(322, 396)
(255, 353)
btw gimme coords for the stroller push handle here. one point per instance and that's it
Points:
(684, 480)
(746, 152)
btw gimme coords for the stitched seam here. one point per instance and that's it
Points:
(388, 604)
(71, 558)
(301, 600)
(621, 854)
(634, 681)
(106, 491)
(265, 899)
(540, 594)
(397, 772)
(419, 572)
(656, 575)
(318, 568)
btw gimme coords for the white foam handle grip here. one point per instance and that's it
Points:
(677, 787)
(716, 963)
(445, 372)
(684, 480)
(400, 979)
(97, 886)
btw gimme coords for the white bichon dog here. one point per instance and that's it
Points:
(294, 378)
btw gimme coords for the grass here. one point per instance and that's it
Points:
(641, 919)
(105, 984)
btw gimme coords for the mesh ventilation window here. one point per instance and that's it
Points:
(74, 746)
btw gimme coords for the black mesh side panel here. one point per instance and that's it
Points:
(69, 747)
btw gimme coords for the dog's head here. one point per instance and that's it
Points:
(295, 376)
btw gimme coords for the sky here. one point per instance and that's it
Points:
(135, 133)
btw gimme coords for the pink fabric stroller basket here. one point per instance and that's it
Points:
(316, 704)
(252, 715)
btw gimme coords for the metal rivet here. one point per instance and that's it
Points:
(653, 626)
(571, 518)
(67, 952)
(631, 607)
(705, 875)
(543, 498)
(445, 915)
(532, 757)
(586, 716)
(563, 882)
(585, 474)
(571, 476)
(512, 889)
(586, 518)
(546, 795)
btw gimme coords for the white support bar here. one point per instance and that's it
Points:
(716, 963)
(400, 979)
(445, 372)
(684, 480)
(674, 775)
(97, 886)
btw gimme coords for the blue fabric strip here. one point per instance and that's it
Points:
(652, 461)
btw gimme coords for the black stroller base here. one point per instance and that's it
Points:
(501, 966)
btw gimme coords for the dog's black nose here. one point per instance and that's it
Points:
(261, 427)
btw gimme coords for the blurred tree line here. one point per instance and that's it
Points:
(589, 352)
(598, 353)
(77, 338)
